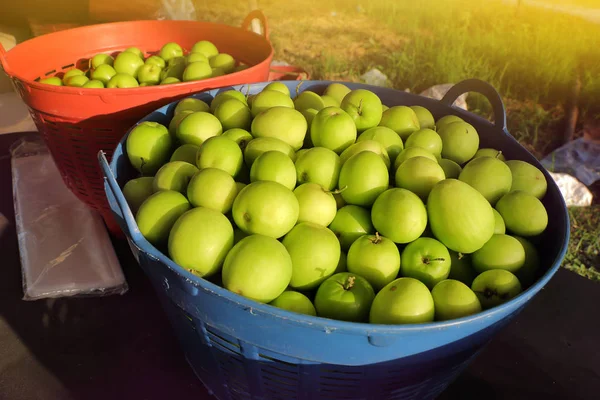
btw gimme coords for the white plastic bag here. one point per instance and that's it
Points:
(177, 10)
(64, 246)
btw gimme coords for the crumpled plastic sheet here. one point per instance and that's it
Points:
(177, 10)
(439, 91)
(574, 192)
(579, 158)
(64, 247)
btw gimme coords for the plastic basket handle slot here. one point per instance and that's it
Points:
(256, 14)
(3, 60)
(484, 88)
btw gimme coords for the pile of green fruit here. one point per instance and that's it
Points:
(129, 68)
(337, 206)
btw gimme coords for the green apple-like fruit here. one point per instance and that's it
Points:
(366, 145)
(122, 81)
(71, 73)
(137, 190)
(427, 260)
(412, 152)
(388, 139)
(307, 100)
(363, 177)
(174, 70)
(156, 60)
(453, 299)
(135, 51)
(402, 120)
(284, 123)
(197, 71)
(176, 120)
(258, 146)
(337, 91)
(427, 139)
(445, 120)
(487, 152)
(169, 80)
(527, 178)
(266, 208)
(224, 61)
(329, 101)
(319, 165)
(234, 114)
(333, 129)
(500, 252)
(350, 223)
(499, 226)
(403, 301)
(460, 141)
(196, 57)
(317, 205)
(274, 166)
(257, 267)
(451, 169)
(148, 147)
(128, 63)
(186, 153)
(375, 258)
(197, 127)
(528, 272)
(54, 80)
(93, 84)
(419, 175)
(490, 176)
(279, 87)
(191, 104)
(77, 80)
(200, 240)
(296, 302)
(344, 296)
(399, 215)
(424, 116)
(364, 107)
(523, 213)
(227, 95)
(149, 74)
(461, 268)
(495, 286)
(315, 253)
(222, 153)
(459, 216)
(212, 188)
(174, 175)
(170, 50)
(103, 73)
(102, 59)
(206, 48)
(157, 215)
(240, 136)
(269, 99)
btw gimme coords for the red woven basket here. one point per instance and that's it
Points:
(76, 123)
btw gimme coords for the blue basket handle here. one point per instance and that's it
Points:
(484, 88)
(115, 190)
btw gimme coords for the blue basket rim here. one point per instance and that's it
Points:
(331, 325)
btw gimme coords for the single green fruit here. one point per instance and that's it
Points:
(446, 120)
(155, 60)
(157, 215)
(174, 175)
(453, 299)
(170, 50)
(366, 145)
(495, 286)
(256, 147)
(101, 59)
(200, 240)
(363, 177)
(269, 99)
(135, 51)
(410, 153)
(274, 166)
(388, 139)
(77, 81)
(403, 301)
(527, 178)
(427, 139)
(295, 302)
(196, 71)
(527, 274)
(148, 147)
(279, 87)
(344, 296)
(93, 84)
(490, 176)
(350, 223)
(220, 152)
(186, 153)
(459, 216)
(333, 129)
(240, 136)
(499, 226)
(137, 190)
(427, 260)
(128, 63)
(402, 120)
(176, 120)
(419, 175)
(337, 91)
(197, 127)
(523, 213)
(500, 252)
(71, 73)
(234, 114)
(460, 141)
(317, 205)
(212, 188)
(487, 152)
(315, 253)
(318, 165)
(282, 123)
(191, 104)
(375, 258)
(364, 107)
(227, 95)
(103, 73)
(54, 80)
(451, 169)
(400, 215)
(424, 116)
(205, 47)
(307, 100)
(257, 267)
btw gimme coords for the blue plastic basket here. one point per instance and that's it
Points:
(241, 349)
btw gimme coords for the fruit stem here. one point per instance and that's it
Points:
(427, 260)
(338, 191)
(460, 255)
(298, 88)
(377, 238)
(349, 282)
(499, 154)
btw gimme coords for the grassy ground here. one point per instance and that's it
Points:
(530, 55)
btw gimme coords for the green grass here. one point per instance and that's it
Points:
(583, 256)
